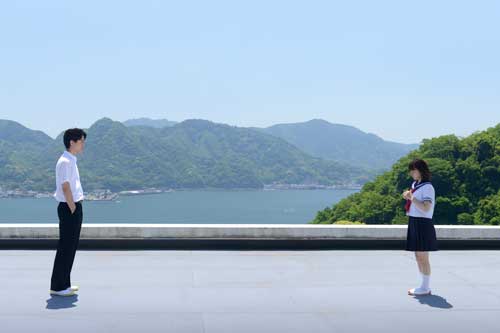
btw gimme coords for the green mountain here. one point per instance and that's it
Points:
(341, 143)
(148, 122)
(24, 160)
(191, 154)
(319, 138)
(466, 176)
(11, 131)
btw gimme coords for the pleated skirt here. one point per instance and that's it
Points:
(421, 235)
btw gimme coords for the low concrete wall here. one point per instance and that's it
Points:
(243, 231)
(243, 235)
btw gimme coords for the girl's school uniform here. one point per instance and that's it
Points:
(421, 235)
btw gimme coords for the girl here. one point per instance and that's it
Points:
(421, 236)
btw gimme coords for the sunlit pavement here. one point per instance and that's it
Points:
(251, 291)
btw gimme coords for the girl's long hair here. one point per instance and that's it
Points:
(422, 167)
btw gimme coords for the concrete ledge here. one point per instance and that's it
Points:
(243, 236)
(244, 231)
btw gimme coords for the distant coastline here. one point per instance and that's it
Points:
(108, 195)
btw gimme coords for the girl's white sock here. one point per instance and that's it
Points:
(425, 282)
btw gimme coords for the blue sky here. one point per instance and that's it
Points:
(386, 67)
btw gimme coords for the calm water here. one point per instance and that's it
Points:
(228, 207)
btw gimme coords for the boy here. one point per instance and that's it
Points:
(69, 194)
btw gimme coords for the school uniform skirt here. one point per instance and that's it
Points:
(421, 235)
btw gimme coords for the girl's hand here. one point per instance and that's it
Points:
(406, 194)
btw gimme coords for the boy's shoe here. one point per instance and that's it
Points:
(65, 292)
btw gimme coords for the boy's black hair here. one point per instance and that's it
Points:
(74, 134)
(423, 167)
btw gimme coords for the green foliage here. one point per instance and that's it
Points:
(465, 218)
(349, 223)
(466, 176)
(488, 211)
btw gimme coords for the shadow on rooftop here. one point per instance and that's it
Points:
(434, 301)
(58, 302)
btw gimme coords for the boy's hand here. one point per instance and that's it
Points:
(72, 207)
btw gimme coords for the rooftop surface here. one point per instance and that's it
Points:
(251, 291)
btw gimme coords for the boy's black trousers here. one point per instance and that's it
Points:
(70, 225)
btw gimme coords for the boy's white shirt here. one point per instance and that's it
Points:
(67, 171)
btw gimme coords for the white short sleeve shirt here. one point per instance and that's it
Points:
(67, 171)
(424, 193)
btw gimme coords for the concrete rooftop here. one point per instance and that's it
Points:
(251, 291)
